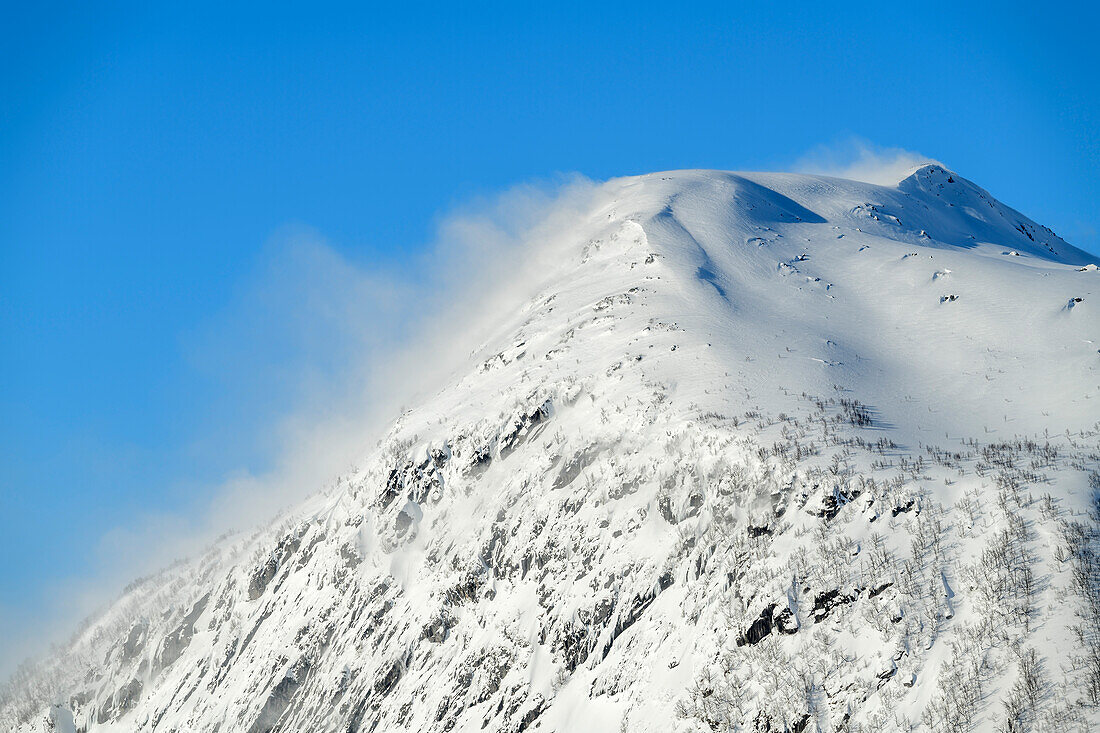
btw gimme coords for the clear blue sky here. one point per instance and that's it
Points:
(149, 154)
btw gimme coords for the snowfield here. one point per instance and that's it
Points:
(765, 452)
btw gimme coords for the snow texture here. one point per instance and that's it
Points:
(766, 452)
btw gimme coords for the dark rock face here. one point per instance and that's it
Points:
(135, 641)
(770, 618)
(174, 644)
(436, 630)
(280, 698)
(760, 628)
(402, 523)
(524, 428)
(121, 702)
(389, 680)
(827, 601)
(266, 572)
(908, 506)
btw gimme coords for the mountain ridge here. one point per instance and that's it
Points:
(737, 463)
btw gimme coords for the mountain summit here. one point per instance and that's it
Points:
(755, 452)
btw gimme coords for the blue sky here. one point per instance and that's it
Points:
(161, 167)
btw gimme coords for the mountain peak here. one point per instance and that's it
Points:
(934, 171)
(760, 450)
(931, 206)
(935, 178)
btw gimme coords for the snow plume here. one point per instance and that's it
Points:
(315, 355)
(860, 160)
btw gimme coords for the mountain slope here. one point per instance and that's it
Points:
(765, 452)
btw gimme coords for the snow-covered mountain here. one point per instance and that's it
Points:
(766, 452)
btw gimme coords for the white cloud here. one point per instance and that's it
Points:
(327, 351)
(860, 160)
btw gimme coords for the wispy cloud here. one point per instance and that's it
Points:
(326, 350)
(861, 160)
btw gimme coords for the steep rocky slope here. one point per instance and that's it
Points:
(766, 452)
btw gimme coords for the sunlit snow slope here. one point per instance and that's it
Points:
(765, 452)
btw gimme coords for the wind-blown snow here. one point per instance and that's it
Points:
(764, 450)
